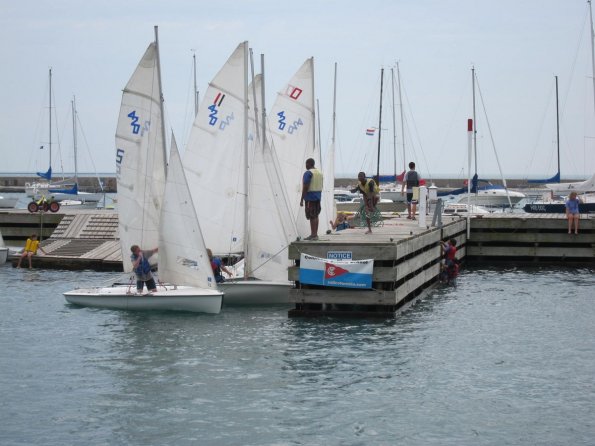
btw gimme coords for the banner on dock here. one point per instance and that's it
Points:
(336, 273)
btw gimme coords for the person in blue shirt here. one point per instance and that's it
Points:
(218, 267)
(572, 212)
(311, 195)
(142, 268)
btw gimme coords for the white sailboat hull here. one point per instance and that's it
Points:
(8, 202)
(3, 255)
(487, 198)
(255, 292)
(167, 298)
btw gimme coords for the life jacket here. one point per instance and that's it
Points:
(316, 181)
(451, 253)
(31, 245)
(144, 267)
(368, 188)
(412, 179)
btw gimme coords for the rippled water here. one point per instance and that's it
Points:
(507, 358)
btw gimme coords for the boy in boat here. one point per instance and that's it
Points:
(218, 267)
(142, 268)
(31, 248)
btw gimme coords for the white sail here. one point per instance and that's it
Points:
(140, 157)
(270, 225)
(183, 258)
(214, 159)
(292, 126)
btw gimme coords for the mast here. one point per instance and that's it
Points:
(392, 75)
(379, 126)
(592, 49)
(247, 172)
(474, 120)
(50, 142)
(161, 101)
(402, 117)
(195, 89)
(557, 129)
(314, 114)
(74, 139)
(334, 103)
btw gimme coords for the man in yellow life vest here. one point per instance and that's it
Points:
(370, 191)
(311, 194)
(30, 249)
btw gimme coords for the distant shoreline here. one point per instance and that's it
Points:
(15, 182)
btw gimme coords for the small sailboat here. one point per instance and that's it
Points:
(237, 209)
(485, 194)
(153, 210)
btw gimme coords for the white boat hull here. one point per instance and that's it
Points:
(487, 198)
(167, 298)
(3, 255)
(254, 292)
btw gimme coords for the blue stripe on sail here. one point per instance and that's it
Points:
(554, 179)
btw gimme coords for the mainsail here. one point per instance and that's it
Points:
(140, 157)
(292, 126)
(214, 159)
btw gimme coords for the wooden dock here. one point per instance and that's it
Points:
(81, 239)
(407, 257)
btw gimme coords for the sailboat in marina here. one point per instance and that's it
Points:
(155, 208)
(230, 169)
(485, 194)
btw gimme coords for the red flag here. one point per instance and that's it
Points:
(332, 271)
(422, 182)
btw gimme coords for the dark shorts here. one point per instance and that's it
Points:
(312, 209)
(150, 284)
(410, 198)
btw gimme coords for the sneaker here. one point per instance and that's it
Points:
(311, 238)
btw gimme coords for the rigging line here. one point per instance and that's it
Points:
(492, 139)
(542, 123)
(270, 258)
(416, 132)
(89, 151)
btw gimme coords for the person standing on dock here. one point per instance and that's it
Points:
(572, 212)
(142, 268)
(410, 181)
(312, 193)
(30, 250)
(369, 189)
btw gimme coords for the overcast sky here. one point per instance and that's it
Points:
(516, 47)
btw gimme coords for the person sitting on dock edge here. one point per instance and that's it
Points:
(369, 189)
(142, 268)
(572, 212)
(30, 250)
(312, 182)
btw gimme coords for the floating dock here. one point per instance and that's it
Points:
(407, 257)
(79, 238)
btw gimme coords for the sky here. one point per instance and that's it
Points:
(515, 46)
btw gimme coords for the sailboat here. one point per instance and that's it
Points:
(226, 166)
(488, 194)
(587, 187)
(153, 210)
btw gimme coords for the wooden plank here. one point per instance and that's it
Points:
(530, 237)
(528, 251)
(342, 296)
(417, 263)
(426, 276)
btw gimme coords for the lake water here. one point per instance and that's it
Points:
(506, 358)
